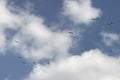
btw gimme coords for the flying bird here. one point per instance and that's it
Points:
(109, 23)
(71, 32)
(111, 51)
(33, 62)
(16, 41)
(23, 63)
(20, 57)
(95, 19)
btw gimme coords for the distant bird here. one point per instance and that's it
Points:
(20, 57)
(109, 23)
(95, 19)
(23, 63)
(111, 51)
(33, 62)
(16, 41)
(71, 32)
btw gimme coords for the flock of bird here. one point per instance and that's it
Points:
(96, 20)
(70, 32)
(20, 57)
(93, 19)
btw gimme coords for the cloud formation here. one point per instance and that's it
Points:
(39, 42)
(31, 38)
(110, 38)
(80, 11)
(91, 65)
(7, 17)
(6, 20)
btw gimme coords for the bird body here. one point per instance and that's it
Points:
(71, 32)
(95, 19)
(109, 23)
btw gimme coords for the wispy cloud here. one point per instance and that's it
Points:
(32, 39)
(110, 38)
(39, 42)
(80, 11)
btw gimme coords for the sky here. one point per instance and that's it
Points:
(59, 40)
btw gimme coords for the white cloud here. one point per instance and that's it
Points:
(110, 38)
(39, 42)
(91, 65)
(8, 18)
(80, 11)
(33, 39)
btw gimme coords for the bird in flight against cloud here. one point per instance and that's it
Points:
(71, 32)
(16, 41)
(95, 19)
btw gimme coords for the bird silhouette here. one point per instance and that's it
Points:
(71, 32)
(109, 23)
(95, 19)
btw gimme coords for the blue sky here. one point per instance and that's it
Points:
(36, 43)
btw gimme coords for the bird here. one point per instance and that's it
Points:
(95, 19)
(109, 23)
(20, 57)
(111, 51)
(71, 32)
(33, 62)
(16, 41)
(23, 62)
